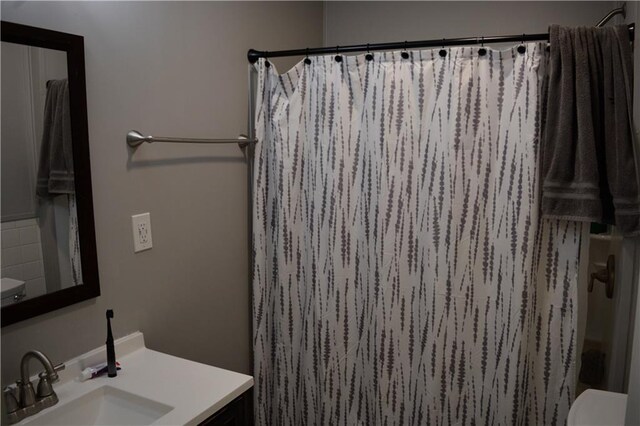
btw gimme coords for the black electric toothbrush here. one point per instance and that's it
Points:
(112, 370)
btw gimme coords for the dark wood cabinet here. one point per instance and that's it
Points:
(238, 412)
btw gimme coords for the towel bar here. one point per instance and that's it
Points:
(135, 139)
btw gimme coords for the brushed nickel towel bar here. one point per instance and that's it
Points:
(135, 139)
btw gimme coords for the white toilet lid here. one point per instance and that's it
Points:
(596, 407)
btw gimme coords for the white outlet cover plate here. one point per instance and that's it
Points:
(141, 232)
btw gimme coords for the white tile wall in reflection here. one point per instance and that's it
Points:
(22, 254)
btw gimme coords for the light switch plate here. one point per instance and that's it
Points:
(141, 232)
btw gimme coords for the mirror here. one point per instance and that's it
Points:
(46, 207)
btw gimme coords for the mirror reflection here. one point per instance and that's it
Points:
(40, 246)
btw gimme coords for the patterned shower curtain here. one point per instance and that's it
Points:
(403, 274)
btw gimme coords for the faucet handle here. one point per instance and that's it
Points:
(10, 400)
(44, 385)
(27, 394)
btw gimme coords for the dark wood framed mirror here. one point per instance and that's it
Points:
(49, 245)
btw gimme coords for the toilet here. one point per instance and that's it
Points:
(12, 291)
(596, 407)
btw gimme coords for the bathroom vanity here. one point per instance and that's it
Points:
(151, 388)
(239, 412)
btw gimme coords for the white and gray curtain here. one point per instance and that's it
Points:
(403, 274)
(74, 241)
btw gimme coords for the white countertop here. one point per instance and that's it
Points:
(196, 391)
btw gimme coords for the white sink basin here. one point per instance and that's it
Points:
(103, 406)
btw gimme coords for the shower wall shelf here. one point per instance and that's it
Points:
(605, 237)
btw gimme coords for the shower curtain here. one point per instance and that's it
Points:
(403, 274)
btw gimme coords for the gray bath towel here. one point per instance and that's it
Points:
(55, 170)
(588, 160)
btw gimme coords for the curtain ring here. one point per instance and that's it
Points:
(368, 56)
(482, 51)
(307, 60)
(338, 58)
(443, 51)
(405, 54)
(522, 48)
(267, 64)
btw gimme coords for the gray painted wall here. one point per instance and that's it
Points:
(375, 22)
(175, 69)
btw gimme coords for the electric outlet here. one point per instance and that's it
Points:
(141, 232)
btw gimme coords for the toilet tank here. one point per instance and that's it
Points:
(12, 290)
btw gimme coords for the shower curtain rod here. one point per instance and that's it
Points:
(253, 55)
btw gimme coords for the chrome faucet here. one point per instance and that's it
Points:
(28, 402)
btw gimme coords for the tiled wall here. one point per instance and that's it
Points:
(22, 255)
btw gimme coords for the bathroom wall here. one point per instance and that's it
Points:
(374, 22)
(175, 69)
